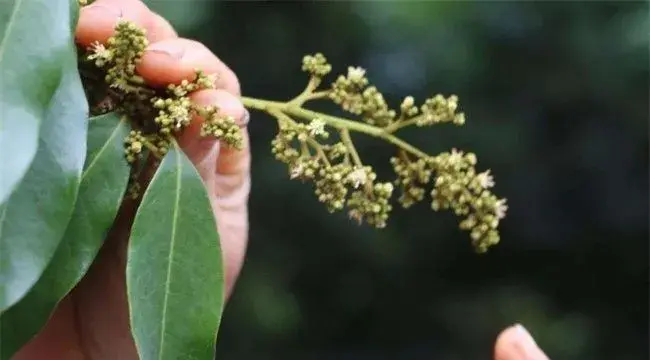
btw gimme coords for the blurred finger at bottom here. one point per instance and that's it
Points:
(516, 343)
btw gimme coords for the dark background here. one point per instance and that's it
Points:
(556, 96)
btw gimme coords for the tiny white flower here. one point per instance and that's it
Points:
(316, 127)
(456, 156)
(119, 84)
(356, 74)
(180, 115)
(485, 179)
(297, 170)
(99, 51)
(500, 209)
(358, 177)
(452, 103)
(356, 215)
(408, 102)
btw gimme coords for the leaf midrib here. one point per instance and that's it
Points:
(101, 150)
(171, 254)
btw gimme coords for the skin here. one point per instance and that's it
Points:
(92, 323)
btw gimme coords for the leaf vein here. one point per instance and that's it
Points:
(102, 149)
(171, 253)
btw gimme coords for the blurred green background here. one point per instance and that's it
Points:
(556, 96)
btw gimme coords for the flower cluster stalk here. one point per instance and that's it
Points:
(316, 147)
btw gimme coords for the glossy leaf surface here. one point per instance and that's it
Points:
(35, 216)
(174, 267)
(35, 36)
(103, 183)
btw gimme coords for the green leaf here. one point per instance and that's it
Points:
(34, 217)
(103, 184)
(35, 36)
(174, 267)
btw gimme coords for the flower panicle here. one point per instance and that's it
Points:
(316, 147)
(449, 179)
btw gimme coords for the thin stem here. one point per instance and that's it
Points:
(276, 107)
(280, 116)
(319, 150)
(347, 140)
(305, 149)
(153, 148)
(318, 95)
(401, 124)
(404, 156)
(307, 92)
(308, 115)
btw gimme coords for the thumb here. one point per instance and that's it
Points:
(516, 343)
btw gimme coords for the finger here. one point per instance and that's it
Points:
(516, 343)
(226, 173)
(174, 60)
(231, 186)
(229, 165)
(160, 29)
(97, 21)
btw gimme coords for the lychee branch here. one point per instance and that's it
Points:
(335, 168)
(272, 107)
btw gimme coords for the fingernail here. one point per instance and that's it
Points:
(169, 49)
(245, 119)
(525, 336)
(528, 346)
(103, 11)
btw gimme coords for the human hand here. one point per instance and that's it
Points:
(92, 322)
